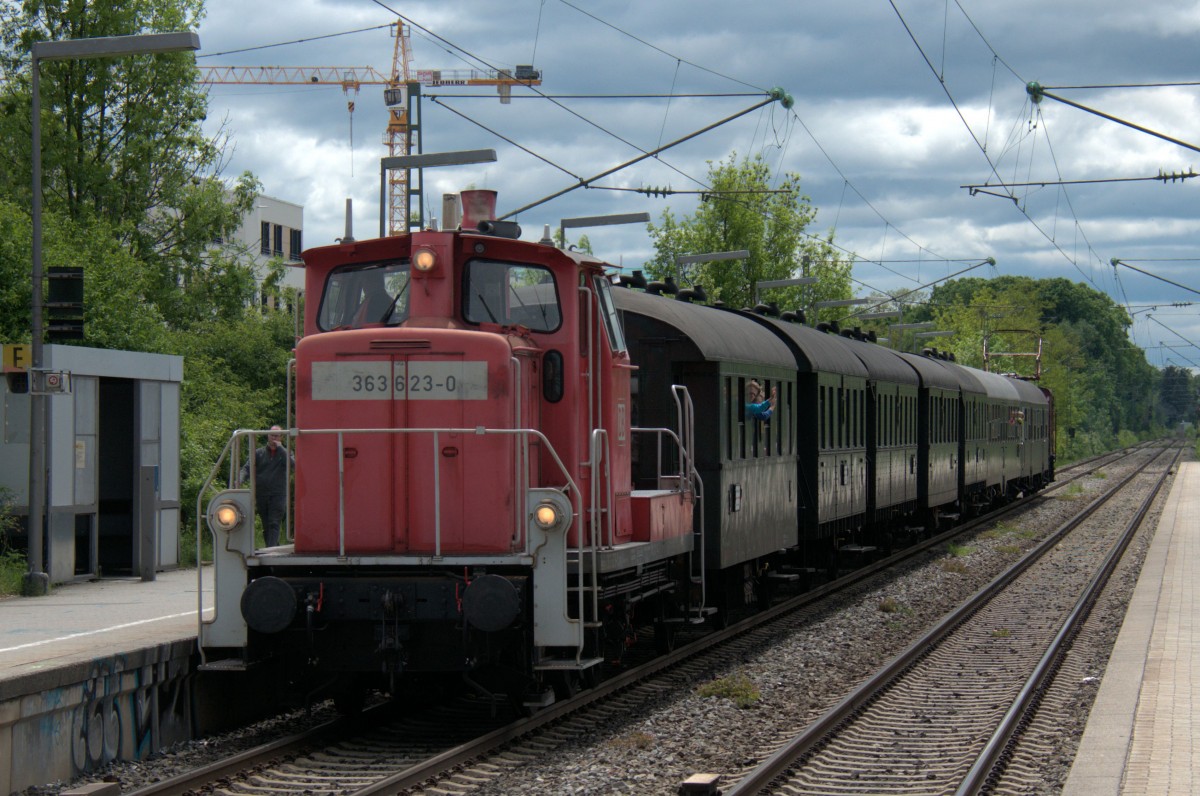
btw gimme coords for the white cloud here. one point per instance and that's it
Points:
(900, 150)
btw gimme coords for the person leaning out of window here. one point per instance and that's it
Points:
(758, 405)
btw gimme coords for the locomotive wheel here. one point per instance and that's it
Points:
(567, 684)
(664, 638)
(349, 699)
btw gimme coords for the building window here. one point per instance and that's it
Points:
(278, 251)
(266, 237)
(294, 246)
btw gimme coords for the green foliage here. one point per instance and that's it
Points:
(121, 137)
(1071, 491)
(743, 212)
(133, 195)
(234, 374)
(1101, 382)
(131, 184)
(583, 244)
(738, 687)
(12, 563)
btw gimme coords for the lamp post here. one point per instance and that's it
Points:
(766, 283)
(599, 221)
(408, 162)
(688, 259)
(37, 581)
(838, 303)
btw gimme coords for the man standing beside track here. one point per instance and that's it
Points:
(271, 464)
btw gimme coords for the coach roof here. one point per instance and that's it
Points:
(716, 334)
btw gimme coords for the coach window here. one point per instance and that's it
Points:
(741, 417)
(839, 421)
(730, 420)
(822, 432)
(863, 418)
(511, 294)
(855, 420)
(885, 422)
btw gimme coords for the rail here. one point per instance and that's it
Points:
(786, 756)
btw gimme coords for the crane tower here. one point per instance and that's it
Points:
(401, 95)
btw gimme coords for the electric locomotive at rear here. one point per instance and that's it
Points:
(462, 491)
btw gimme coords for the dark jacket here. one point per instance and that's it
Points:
(270, 470)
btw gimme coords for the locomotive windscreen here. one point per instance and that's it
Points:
(361, 295)
(511, 294)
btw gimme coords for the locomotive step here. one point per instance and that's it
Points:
(543, 700)
(225, 665)
(566, 664)
(696, 616)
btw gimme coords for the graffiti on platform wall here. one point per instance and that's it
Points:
(110, 724)
(96, 723)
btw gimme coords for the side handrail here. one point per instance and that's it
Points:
(685, 417)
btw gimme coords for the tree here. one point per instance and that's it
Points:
(122, 144)
(742, 212)
(1101, 382)
(1179, 395)
(134, 194)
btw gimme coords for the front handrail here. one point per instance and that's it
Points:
(233, 446)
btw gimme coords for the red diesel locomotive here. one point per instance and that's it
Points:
(463, 497)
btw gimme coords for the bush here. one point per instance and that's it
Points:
(738, 687)
(13, 565)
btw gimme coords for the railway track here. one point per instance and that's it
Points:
(943, 716)
(464, 745)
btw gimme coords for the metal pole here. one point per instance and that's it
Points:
(37, 582)
(382, 198)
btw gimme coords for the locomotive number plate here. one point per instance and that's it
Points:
(399, 381)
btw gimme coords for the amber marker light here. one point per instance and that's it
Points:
(546, 516)
(424, 260)
(227, 517)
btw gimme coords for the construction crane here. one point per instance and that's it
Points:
(403, 110)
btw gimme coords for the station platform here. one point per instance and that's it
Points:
(96, 671)
(1141, 736)
(78, 622)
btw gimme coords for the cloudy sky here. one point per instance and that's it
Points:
(897, 105)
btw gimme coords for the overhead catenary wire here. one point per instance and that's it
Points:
(987, 158)
(678, 60)
(451, 47)
(1160, 177)
(1116, 261)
